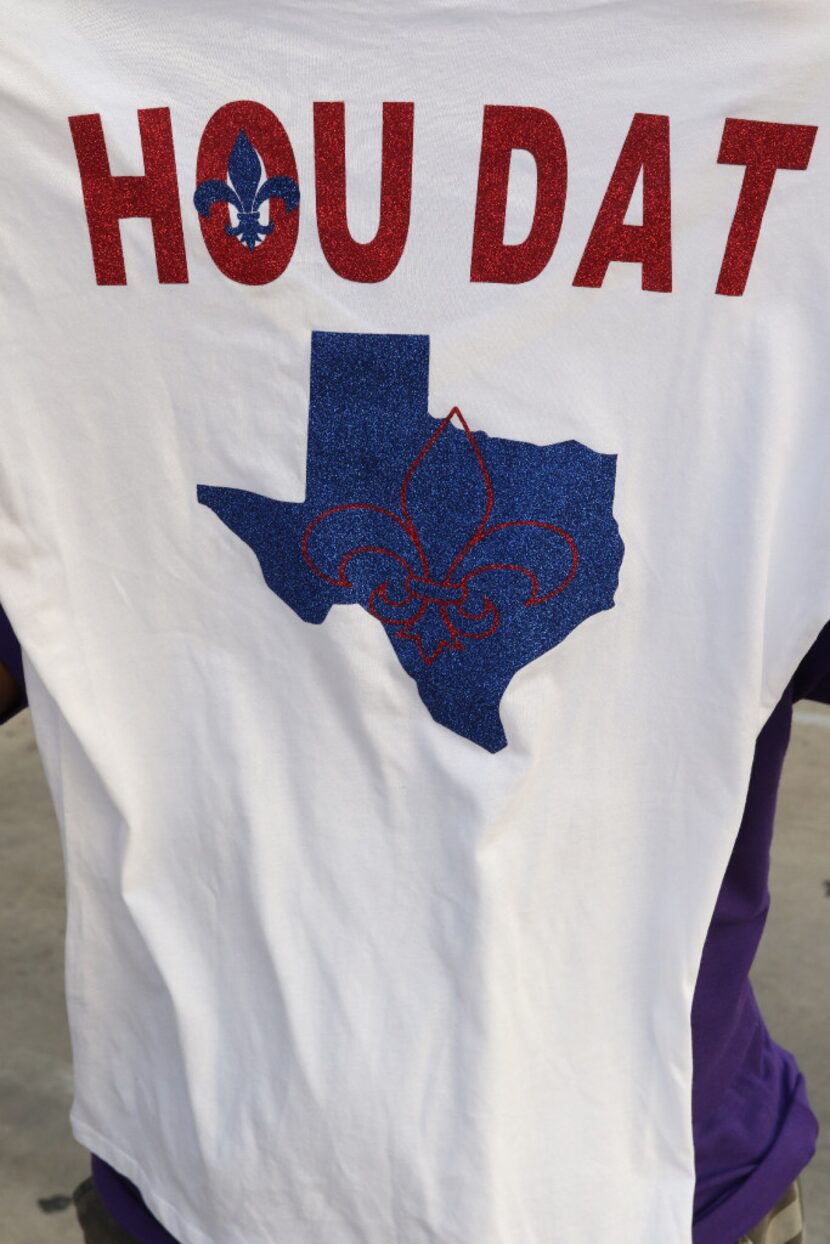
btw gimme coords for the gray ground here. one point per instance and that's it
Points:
(40, 1163)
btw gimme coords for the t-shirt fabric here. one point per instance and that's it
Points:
(753, 1126)
(412, 508)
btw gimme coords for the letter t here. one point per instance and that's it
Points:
(764, 147)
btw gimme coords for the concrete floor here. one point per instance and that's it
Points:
(40, 1163)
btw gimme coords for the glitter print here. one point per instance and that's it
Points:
(476, 554)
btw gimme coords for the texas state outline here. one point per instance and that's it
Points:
(476, 554)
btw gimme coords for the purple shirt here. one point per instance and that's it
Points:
(753, 1127)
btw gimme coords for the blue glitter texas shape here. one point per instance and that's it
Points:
(475, 553)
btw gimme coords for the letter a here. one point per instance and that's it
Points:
(646, 147)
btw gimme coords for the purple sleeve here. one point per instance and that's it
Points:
(11, 657)
(812, 678)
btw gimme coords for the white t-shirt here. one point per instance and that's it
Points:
(412, 504)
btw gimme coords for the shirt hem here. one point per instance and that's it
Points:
(183, 1230)
(744, 1209)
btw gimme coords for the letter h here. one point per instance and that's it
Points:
(109, 199)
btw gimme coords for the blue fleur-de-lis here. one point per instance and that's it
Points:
(245, 193)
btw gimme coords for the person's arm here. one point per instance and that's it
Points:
(12, 688)
(10, 693)
(812, 678)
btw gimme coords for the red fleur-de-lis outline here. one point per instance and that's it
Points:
(425, 592)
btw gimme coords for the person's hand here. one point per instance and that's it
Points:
(10, 692)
